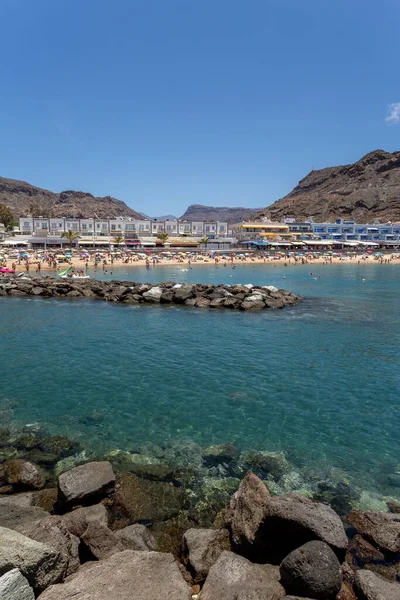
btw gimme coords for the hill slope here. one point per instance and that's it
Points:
(365, 190)
(23, 199)
(198, 212)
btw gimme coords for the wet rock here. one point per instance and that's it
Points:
(312, 570)
(220, 454)
(168, 534)
(202, 548)
(14, 586)
(233, 576)
(12, 514)
(78, 520)
(346, 592)
(265, 464)
(40, 564)
(136, 537)
(202, 302)
(65, 464)
(373, 587)
(86, 483)
(154, 472)
(59, 445)
(382, 529)
(45, 498)
(362, 552)
(144, 500)
(183, 293)
(211, 496)
(24, 475)
(101, 541)
(124, 576)
(267, 528)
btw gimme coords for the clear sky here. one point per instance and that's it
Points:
(165, 103)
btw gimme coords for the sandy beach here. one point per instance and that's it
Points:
(38, 263)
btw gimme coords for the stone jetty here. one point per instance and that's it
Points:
(239, 297)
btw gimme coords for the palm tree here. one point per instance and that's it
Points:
(205, 241)
(162, 238)
(118, 240)
(70, 235)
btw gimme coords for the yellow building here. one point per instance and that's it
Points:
(261, 230)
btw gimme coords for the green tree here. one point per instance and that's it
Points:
(162, 238)
(118, 240)
(205, 240)
(7, 218)
(70, 235)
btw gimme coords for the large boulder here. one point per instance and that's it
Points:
(312, 570)
(127, 575)
(78, 520)
(153, 295)
(86, 483)
(233, 576)
(382, 529)
(267, 528)
(137, 537)
(40, 564)
(202, 548)
(52, 531)
(14, 586)
(144, 500)
(373, 587)
(14, 514)
(24, 475)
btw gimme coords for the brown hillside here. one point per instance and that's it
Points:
(24, 199)
(366, 190)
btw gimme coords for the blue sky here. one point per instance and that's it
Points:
(165, 103)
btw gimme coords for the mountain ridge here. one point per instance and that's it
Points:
(23, 198)
(364, 190)
(201, 212)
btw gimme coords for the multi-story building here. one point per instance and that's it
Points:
(95, 230)
(259, 230)
(343, 230)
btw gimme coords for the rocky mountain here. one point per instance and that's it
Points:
(198, 212)
(24, 199)
(365, 190)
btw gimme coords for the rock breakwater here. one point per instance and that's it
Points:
(239, 297)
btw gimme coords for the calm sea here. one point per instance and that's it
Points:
(319, 381)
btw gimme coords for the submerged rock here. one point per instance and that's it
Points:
(312, 570)
(220, 454)
(265, 464)
(144, 500)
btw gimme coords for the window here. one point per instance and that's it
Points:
(113, 227)
(84, 226)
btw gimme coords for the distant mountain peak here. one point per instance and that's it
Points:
(364, 190)
(201, 212)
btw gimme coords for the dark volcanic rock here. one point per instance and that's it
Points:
(312, 570)
(136, 537)
(266, 528)
(101, 541)
(24, 475)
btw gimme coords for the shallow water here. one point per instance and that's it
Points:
(319, 381)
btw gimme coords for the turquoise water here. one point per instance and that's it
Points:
(319, 381)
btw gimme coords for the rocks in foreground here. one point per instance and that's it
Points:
(203, 547)
(312, 570)
(124, 576)
(233, 576)
(382, 529)
(243, 297)
(267, 528)
(373, 587)
(41, 565)
(14, 586)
